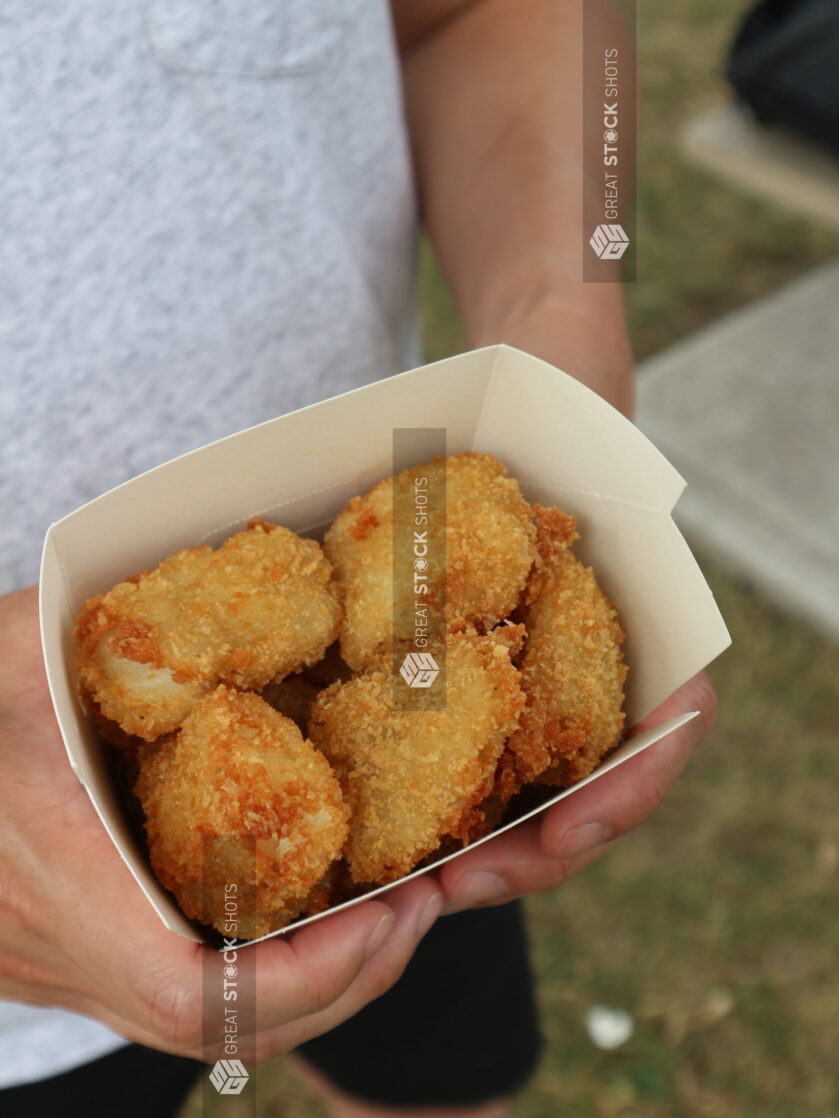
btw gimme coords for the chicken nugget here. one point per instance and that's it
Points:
(110, 732)
(412, 777)
(572, 668)
(262, 605)
(489, 549)
(238, 798)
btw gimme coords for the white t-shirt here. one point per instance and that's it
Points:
(208, 219)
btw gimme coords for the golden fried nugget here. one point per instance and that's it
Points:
(489, 548)
(108, 730)
(412, 777)
(262, 605)
(572, 668)
(239, 798)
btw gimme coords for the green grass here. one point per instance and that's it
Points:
(716, 923)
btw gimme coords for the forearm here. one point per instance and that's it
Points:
(493, 97)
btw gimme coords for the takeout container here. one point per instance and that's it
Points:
(564, 445)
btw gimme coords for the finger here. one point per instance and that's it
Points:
(629, 794)
(294, 975)
(546, 851)
(305, 971)
(416, 905)
(153, 981)
(510, 866)
(297, 979)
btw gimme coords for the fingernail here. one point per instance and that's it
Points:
(481, 887)
(380, 932)
(582, 839)
(433, 908)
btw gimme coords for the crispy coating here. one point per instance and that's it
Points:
(489, 550)
(239, 798)
(109, 731)
(572, 668)
(412, 777)
(259, 607)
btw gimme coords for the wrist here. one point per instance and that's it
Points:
(583, 333)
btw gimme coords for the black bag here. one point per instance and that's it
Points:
(784, 64)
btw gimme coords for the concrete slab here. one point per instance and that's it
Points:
(748, 411)
(766, 161)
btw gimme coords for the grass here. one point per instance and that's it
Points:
(715, 924)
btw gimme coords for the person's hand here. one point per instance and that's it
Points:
(547, 850)
(76, 931)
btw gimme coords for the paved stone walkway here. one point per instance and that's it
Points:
(768, 161)
(748, 411)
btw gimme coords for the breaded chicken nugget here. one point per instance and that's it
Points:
(572, 668)
(109, 731)
(489, 550)
(259, 607)
(238, 798)
(412, 777)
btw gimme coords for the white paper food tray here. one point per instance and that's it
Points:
(563, 443)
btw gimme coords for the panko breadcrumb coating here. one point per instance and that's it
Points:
(489, 544)
(109, 731)
(239, 797)
(412, 777)
(572, 668)
(262, 605)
